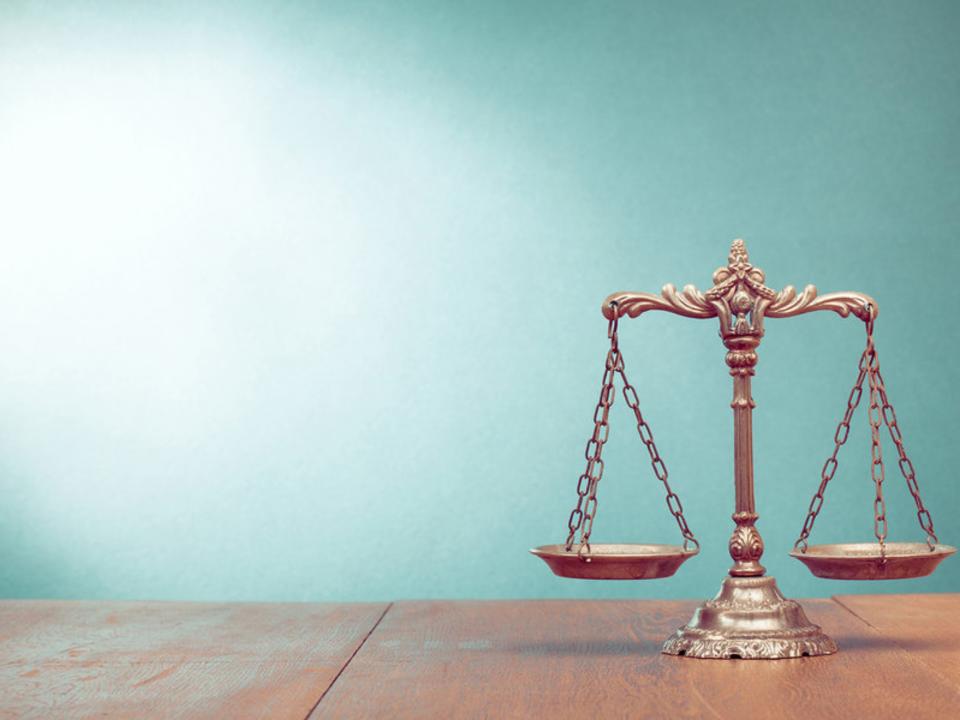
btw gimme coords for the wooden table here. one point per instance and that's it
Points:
(899, 657)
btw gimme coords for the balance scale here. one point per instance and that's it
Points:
(750, 617)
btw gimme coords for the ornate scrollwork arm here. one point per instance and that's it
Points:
(690, 302)
(739, 298)
(789, 303)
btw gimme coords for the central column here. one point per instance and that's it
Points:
(746, 545)
(749, 617)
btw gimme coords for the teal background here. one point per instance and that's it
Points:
(301, 301)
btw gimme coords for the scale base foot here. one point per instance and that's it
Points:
(749, 619)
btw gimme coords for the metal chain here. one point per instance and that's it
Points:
(659, 468)
(880, 410)
(583, 513)
(875, 415)
(906, 467)
(582, 516)
(830, 466)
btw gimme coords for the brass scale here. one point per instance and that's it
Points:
(749, 618)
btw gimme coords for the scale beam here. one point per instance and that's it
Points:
(738, 276)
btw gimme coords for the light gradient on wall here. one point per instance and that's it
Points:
(301, 301)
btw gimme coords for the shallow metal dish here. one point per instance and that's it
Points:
(861, 561)
(615, 562)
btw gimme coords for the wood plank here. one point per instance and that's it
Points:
(174, 660)
(576, 659)
(926, 625)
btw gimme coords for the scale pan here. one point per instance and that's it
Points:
(861, 561)
(615, 562)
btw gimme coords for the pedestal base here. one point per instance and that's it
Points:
(749, 619)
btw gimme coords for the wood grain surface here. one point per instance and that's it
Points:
(601, 659)
(173, 660)
(928, 626)
(899, 657)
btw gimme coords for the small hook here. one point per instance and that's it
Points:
(580, 554)
(614, 319)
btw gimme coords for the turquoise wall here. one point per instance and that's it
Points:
(301, 301)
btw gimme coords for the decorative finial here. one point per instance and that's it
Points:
(738, 253)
